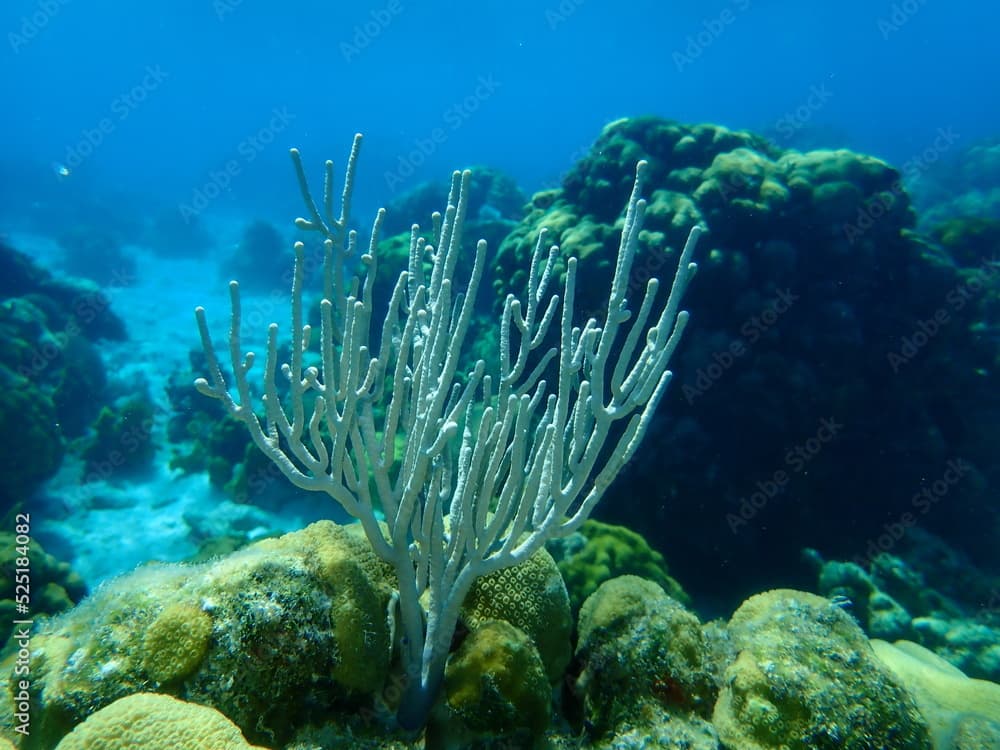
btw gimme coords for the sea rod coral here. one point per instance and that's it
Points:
(494, 463)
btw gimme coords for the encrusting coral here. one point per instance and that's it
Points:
(176, 642)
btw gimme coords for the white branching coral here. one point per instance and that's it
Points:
(495, 462)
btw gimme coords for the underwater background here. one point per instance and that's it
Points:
(833, 422)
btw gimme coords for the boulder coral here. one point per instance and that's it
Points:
(806, 677)
(495, 687)
(813, 287)
(532, 597)
(641, 655)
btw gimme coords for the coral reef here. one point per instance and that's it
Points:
(122, 439)
(294, 642)
(95, 252)
(275, 634)
(494, 196)
(55, 586)
(965, 185)
(29, 412)
(599, 552)
(928, 593)
(806, 677)
(177, 234)
(262, 261)
(291, 640)
(809, 351)
(203, 438)
(51, 377)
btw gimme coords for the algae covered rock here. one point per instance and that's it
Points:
(495, 687)
(641, 655)
(155, 722)
(267, 636)
(806, 677)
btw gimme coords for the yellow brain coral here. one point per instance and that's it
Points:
(155, 722)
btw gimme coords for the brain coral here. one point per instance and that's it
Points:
(642, 655)
(155, 722)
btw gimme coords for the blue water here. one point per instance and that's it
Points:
(183, 87)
